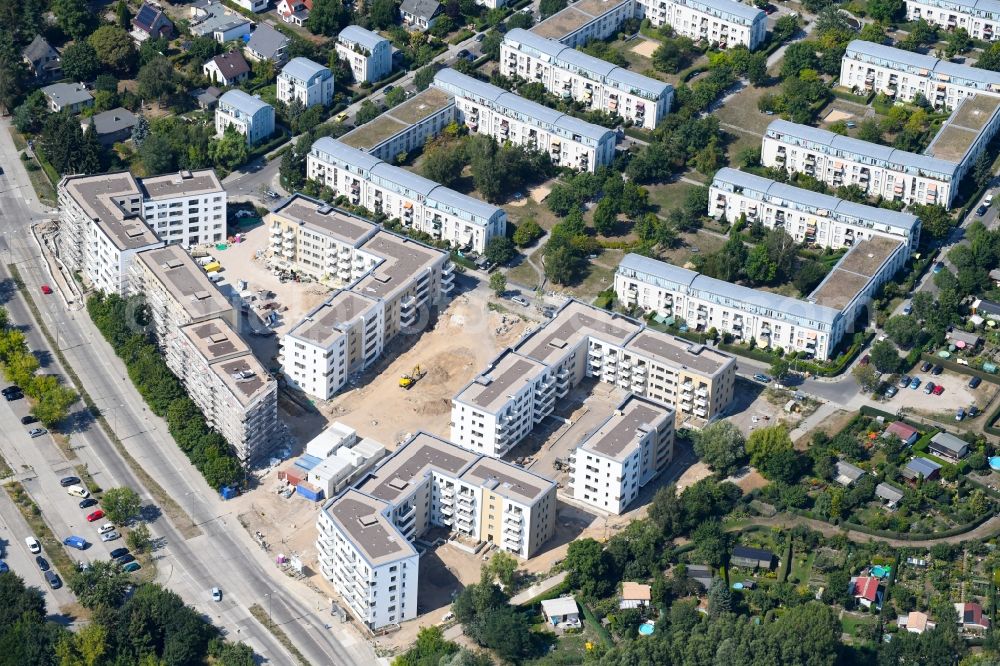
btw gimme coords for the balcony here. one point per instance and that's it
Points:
(512, 544)
(275, 231)
(466, 499)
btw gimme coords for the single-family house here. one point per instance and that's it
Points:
(921, 467)
(420, 14)
(294, 11)
(112, 126)
(846, 473)
(890, 493)
(207, 98)
(210, 18)
(151, 23)
(752, 558)
(635, 595)
(906, 433)
(266, 43)
(562, 610)
(227, 69)
(988, 309)
(42, 60)
(252, 117)
(946, 445)
(971, 618)
(963, 340)
(866, 590)
(915, 622)
(995, 275)
(253, 5)
(72, 97)
(701, 574)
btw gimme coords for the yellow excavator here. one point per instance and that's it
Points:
(408, 380)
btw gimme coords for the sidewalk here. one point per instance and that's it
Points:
(538, 588)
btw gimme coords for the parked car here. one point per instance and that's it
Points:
(520, 300)
(131, 567)
(988, 201)
(42, 563)
(481, 36)
(937, 370)
(78, 491)
(12, 393)
(125, 559)
(762, 378)
(68, 481)
(388, 89)
(53, 580)
(3, 567)
(118, 552)
(926, 366)
(29, 419)
(938, 267)
(95, 516)
(981, 210)
(904, 381)
(76, 542)
(462, 54)
(216, 594)
(106, 527)
(891, 391)
(938, 390)
(929, 387)
(36, 432)
(973, 411)
(960, 414)
(87, 503)
(907, 309)
(33, 546)
(975, 382)
(46, 289)
(110, 536)
(915, 383)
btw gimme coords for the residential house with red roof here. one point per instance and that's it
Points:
(867, 591)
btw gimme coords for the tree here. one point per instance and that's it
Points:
(866, 377)
(499, 250)
(121, 505)
(29, 116)
(720, 600)
(990, 58)
(721, 446)
(884, 357)
(549, 7)
(13, 71)
(138, 538)
(73, 16)
(498, 283)
(102, 585)
(429, 648)
(367, 112)
(501, 567)
(711, 542)
(323, 19)
(491, 44)
(156, 78)
(904, 330)
(886, 11)
(157, 155)
(527, 232)
(79, 62)
(779, 368)
(383, 13)
(759, 268)
(605, 217)
(589, 567)
(443, 162)
(231, 150)
(799, 56)
(114, 48)
(560, 262)
(765, 444)
(52, 400)
(425, 76)
(395, 97)
(466, 657)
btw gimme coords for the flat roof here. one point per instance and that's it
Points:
(925, 65)
(324, 218)
(245, 377)
(330, 319)
(633, 418)
(100, 197)
(678, 352)
(360, 516)
(854, 271)
(402, 258)
(182, 183)
(186, 281)
(572, 323)
(963, 127)
(504, 376)
(507, 480)
(215, 339)
(421, 105)
(399, 473)
(373, 133)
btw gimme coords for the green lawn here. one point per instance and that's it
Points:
(666, 196)
(741, 110)
(570, 649)
(850, 624)
(801, 567)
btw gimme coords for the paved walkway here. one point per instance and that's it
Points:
(538, 588)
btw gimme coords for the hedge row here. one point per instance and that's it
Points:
(961, 369)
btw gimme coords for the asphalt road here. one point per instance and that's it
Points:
(223, 554)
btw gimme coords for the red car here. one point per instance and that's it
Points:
(46, 289)
(938, 390)
(97, 515)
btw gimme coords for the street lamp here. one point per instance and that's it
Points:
(267, 596)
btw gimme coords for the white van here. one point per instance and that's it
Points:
(78, 491)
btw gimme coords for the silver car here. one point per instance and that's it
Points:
(110, 536)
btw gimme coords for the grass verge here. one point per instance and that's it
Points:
(279, 634)
(5, 469)
(33, 516)
(185, 525)
(88, 480)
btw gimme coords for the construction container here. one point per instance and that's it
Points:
(228, 492)
(293, 475)
(212, 266)
(309, 491)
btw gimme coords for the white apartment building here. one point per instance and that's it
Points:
(426, 482)
(406, 127)
(930, 178)
(101, 228)
(902, 75)
(362, 554)
(585, 20)
(187, 208)
(390, 283)
(808, 217)
(727, 23)
(251, 117)
(489, 110)
(307, 81)
(399, 194)
(193, 324)
(497, 409)
(628, 450)
(813, 326)
(981, 18)
(567, 72)
(368, 53)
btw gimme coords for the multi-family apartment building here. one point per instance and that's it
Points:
(388, 282)
(567, 72)
(808, 217)
(813, 326)
(101, 228)
(396, 193)
(585, 20)
(309, 82)
(250, 116)
(627, 451)
(406, 127)
(365, 534)
(368, 53)
(981, 18)
(518, 389)
(192, 322)
(487, 109)
(929, 178)
(727, 23)
(187, 208)
(902, 75)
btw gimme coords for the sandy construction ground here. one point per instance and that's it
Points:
(837, 115)
(539, 193)
(645, 48)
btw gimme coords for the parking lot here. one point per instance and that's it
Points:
(941, 407)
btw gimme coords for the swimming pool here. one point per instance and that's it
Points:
(995, 463)
(646, 629)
